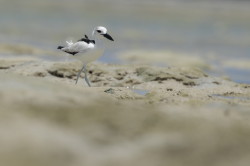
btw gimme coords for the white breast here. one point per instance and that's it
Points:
(90, 55)
(79, 47)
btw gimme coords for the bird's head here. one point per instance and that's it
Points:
(100, 30)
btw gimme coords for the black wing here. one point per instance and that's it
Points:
(86, 39)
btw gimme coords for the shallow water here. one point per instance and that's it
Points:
(239, 75)
(218, 30)
(141, 92)
(242, 98)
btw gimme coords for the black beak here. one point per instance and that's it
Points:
(108, 37)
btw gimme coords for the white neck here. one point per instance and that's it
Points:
(98, 41)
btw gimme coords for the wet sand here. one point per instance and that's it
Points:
(133, 115)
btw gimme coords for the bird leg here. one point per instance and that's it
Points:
(85, 77)
(78, 75)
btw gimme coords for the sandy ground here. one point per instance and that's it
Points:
(133, 115)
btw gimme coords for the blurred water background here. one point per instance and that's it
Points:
(217, 31)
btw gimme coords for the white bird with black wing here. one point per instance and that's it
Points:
(87, 50)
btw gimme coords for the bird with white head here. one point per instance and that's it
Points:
(87, 50)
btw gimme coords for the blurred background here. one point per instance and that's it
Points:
(217, 33)
(45, 120)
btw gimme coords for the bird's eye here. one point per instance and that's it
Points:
(99, 31)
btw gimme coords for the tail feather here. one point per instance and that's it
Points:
(60, 47)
